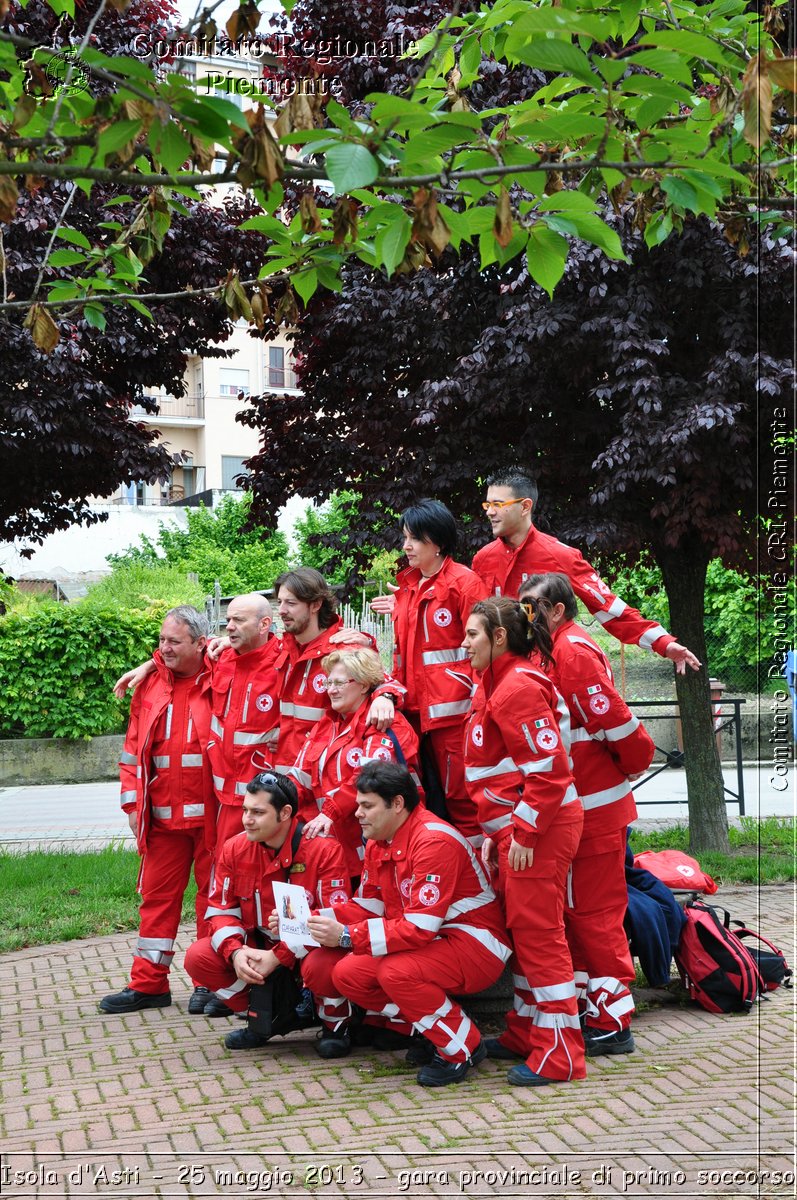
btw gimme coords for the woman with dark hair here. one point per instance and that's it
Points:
(518, 773)
(432, 603)
(610, 748)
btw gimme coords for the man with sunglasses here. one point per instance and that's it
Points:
(520, 550)
(240, 950)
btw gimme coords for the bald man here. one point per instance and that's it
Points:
(243, 727)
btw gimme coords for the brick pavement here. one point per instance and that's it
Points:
(151, 1104)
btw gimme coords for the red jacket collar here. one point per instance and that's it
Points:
(491, 677)
(412, 578)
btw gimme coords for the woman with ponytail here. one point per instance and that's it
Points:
(518, 773)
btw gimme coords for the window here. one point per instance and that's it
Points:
(230, 469)
(233, 380)
(280, 375)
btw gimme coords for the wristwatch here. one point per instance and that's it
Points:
(390, 696)
(344, 941)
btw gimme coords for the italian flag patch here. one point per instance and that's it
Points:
(432, 878)
(336, 883)
(592, 690)
(541, 724)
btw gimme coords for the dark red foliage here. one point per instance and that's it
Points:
(634, 395)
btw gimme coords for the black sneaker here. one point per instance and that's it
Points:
(244, 1039)
(596, 1042)
(389, 1039)
(217, 1008)
(129, 1000)
(442, 1071)
(421, 1051)
(199, 998)
(335, 1044)
(496, 1049)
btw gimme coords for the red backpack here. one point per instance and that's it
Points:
(716, 968)
(771, 962)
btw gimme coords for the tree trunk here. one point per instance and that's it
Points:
(685, 581)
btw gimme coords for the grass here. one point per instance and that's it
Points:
(761, 851)
(54, 897)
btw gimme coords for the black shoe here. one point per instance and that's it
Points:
(335, 1044)
(199, 998)
(442, 1071)
(421, 1051)
(496, 1049)
(523, 1076)
(129, 1000)
(389, 1039)
(596, 1042)
(244, 1039)
(217, 1008)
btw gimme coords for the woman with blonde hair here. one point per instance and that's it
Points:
(340, 744)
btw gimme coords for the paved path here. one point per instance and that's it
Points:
(87, 815)
(153, 1101)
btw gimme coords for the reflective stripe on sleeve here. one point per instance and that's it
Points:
(607, 796)
(240, 738)
(377, 936)
(128, 797)
(615, 609)
(221, 935)
(223, 912)
(472, 774)
(526, 813)
(652, 635)
(622, 731)
(127, 759)
(302, 711)
(424, 921)
(542, 765)
(371, 905)
(453, 709)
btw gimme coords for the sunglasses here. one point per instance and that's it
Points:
(269, 782)
(488, 504)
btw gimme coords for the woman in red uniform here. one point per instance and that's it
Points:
(609, 748)
(433, 600)
(340, 744)
(518, 773)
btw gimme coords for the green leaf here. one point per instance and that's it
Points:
(590, 228)
(350, 165)
(95, 316)
(693, 45)
(565, 201)
(658, 229)
(546, 255)
(670, 65)
(555, 54)
(74, 236)
(470, 60)
(116, 136)
(66, 258)
(169, 146)
(681, 193)
(391, 240)
(305, 283)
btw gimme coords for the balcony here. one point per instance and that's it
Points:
(172, 408)
(280, 377)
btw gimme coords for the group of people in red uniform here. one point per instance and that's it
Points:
(508, 712)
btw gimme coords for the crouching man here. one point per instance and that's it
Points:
(241, 951)
(424, 923)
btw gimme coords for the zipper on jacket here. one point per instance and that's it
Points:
(246, 702)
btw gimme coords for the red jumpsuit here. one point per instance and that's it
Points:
(244, 727)
(608, 744)
(503, 569)
(303, 695)
(429, 622)
(242, 901)
(166, 781)
(329, 762)
(425, 923)
(518, 772)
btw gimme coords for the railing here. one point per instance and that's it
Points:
(674, 759)
(280, 377)
(190, 408)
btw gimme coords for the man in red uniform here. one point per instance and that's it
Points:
(307, 612)
(166, 788)
(425, 923)
(520, 550)
(609, 747)
(245, 719)
(269, 849)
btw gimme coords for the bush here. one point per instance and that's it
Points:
(59, 663)
(141, 587)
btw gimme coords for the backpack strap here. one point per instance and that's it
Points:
(297, 837)
(396, 747)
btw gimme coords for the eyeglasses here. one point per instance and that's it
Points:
(333, 685)
(488, 504)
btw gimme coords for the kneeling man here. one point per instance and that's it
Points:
(425, 922)
(241, 951)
